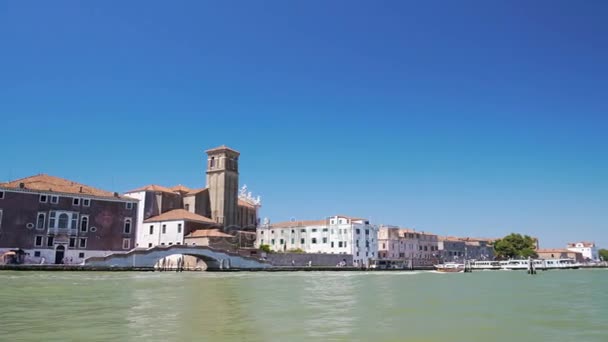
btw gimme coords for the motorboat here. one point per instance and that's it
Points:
(450, 267)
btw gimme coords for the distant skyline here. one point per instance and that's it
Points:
(468, 118)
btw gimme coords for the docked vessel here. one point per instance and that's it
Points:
(540, 264)
(485, 265)
(450, 268)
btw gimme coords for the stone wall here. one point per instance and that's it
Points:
(302, 259)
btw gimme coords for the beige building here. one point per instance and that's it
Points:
(408, 246)
(556, 253)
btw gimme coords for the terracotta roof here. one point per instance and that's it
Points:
(207, 233)
(554, 250)
(196, 191)
(180, 188)
(178, 215)
(290, 224)
(245, 204)
(46, 183)
(153, 187)
(222, 148)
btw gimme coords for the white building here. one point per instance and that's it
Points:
(587, 249)
(170, 228)
(334, 235)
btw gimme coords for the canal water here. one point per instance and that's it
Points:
(304, 306)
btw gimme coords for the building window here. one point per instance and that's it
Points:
(86, 202)
(325, 229)
(72, 242)
(49, 241)
(272, 242)
(150, 245)
(81, 255)
(38, 241)
(170, 243)
(187, 207)
(293, 241)
(40, 221)
(126, 243)
(314, 230)
(129, 205)
(302, 241)
(127, 229)
(82, 243)
(282, 242)
(340, 244)
(74, 221)
(1, 194)
(84, 224)
(367, 232)
(164, 229)
(179, 228)
(151, 231)
(332, 244)
(212, 162)
(344, 244)
(358, 231)
(43, 199)
(324, 240)
(63, 221)
(76, 201)
(302, 230)
(54, 199)
(37, 254)
(52, 216)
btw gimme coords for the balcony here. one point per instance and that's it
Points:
(63, 231)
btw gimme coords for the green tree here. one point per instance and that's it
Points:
(604, 254)
(265, 248)
(515, 246)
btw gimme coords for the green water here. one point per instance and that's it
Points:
(341, 306)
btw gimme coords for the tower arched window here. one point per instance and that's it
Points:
(63, 221)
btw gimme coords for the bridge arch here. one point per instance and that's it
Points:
(147, 258)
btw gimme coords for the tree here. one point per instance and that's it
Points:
(604, 254)
(265, 248)
(515, 246)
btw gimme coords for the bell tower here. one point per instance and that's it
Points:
(223, 184)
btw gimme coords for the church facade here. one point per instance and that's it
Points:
(168, 214)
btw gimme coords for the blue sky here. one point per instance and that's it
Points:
(466, 118)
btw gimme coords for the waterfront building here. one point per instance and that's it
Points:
(460, 248)
(407, 246)
(54, 220)
(451, 248)
(588, 249)
(556, 253)
(221, 204)
(333, 235)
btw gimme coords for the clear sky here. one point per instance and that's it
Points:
(475, 118)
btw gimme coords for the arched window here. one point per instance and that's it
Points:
(212, 164)
(127, 229)
(84, 223)
(40, 221)
(63, 221)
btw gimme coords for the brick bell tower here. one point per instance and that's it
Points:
(223, 184)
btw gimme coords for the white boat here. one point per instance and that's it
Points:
(539, 264)
(450, 267)
(485, 265)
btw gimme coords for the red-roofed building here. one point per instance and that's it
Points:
(57, 220)
(221, 202)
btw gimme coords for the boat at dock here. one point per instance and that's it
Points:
(450, 268)
(539, 264)
(485, 265)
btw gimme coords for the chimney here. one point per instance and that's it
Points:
(116, 194)
(21, 185)
(80, 189)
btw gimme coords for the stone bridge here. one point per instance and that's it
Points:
(142, 258)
